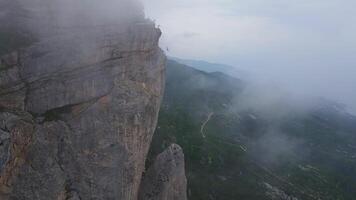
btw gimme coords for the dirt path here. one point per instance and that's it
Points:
(204, 124)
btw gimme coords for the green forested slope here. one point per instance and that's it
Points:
(234, 150)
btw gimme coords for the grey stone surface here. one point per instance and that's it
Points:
(79, 103)
(165, 179)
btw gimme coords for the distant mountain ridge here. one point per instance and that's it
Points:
(212, 67)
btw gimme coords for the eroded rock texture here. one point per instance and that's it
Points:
(165, 179)
(79, 98)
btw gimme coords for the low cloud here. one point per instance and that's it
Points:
(190, 34)
(306, 46)
(274, 146)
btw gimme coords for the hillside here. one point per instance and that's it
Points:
(237, 150)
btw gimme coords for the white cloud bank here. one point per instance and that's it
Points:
(308, 45)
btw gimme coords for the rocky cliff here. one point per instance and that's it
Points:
(80, 88)
(165, 179)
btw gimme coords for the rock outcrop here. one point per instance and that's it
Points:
(165, 179)
(79, 98)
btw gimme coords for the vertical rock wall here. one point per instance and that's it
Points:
(78, 100)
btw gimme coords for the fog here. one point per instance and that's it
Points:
(305, 47)
(293, 52)
(301, 50)
(45, 17)
(275, 146)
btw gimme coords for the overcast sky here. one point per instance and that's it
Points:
(307, 45)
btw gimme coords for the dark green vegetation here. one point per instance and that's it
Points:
(248, 153)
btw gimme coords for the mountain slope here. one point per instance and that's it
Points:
(235, 150)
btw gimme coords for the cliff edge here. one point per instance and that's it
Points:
(80, 90)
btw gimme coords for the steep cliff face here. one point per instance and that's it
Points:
(78, 100)
(165, 179)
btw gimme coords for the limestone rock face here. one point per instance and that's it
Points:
(165, 179)
(79, 102)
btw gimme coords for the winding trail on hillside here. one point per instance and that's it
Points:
(204, 124)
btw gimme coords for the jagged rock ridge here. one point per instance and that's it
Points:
(79, 99)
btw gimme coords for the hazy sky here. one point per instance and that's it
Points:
(307, 45)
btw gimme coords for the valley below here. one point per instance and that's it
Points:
(236, 150)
